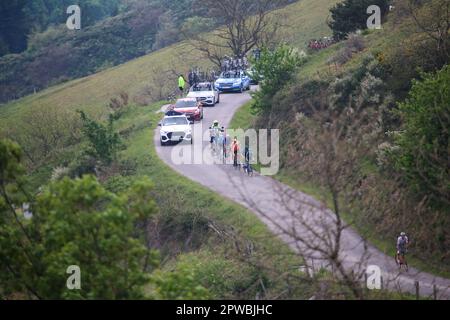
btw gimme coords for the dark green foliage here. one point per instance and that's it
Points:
(179, 284)
(20, 18)
(13, 26)
(56, 54)
(104, 141)
(74, 222)
(81, 165)
(424, 142)
(43, 13)
(275, 69)
(60, 54)
(351, 15)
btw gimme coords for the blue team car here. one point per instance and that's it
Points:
(233, 81)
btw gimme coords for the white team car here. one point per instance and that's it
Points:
(175, 128)
(206, 93)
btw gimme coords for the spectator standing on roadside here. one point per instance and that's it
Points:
(181, 84)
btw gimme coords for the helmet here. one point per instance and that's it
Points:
(216, 123)
(403, 234)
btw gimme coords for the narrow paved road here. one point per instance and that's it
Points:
(275, 203)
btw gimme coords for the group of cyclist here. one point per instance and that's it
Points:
(237, 63)
(319, 44)
(225, 147)
(196, 76)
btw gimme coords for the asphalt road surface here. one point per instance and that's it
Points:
(290, 214)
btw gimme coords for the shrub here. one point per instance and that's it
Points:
(179, 284)
(425, 137)
(355, 43)
(59, 173)
(275, 69)
(73, 222)
(104, 141)
(118, 105)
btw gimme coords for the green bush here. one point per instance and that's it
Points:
(224, 277)
(179, 284)
(104, 141)
(275, 68)
(424, 141)
(73, 222)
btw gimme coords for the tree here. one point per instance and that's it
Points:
(20, 18)
(168, 32)
(432, 20)
(104, 141)
(351, 15)
(196, 25)
(14, 26)
(423, 152)
(275, 68)
(246, 24)
(73, 222)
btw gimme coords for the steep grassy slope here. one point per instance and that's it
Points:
(93, 92)
(302, 21)
(193, 207)
(378, 42)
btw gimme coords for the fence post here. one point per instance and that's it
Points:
(435, 292)
(416, 284)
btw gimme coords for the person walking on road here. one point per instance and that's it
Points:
(181, 84)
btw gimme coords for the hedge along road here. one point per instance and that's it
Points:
(287, 212)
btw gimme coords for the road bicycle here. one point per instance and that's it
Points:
(400, 259)
(247, 168)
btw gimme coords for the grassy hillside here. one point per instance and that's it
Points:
(191, 209)
(303, 20)
(93, 93)
(113, 32)
(182, 232)
(394, 40)
(244, 119)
